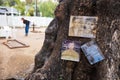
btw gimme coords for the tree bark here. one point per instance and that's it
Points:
(49, 66)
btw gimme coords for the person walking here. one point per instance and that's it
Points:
(27, 23)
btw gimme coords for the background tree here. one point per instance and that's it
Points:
(30, 11)
(47, 8)
(8, 2)
(1, 2)
(20, 6)
(29, 1)
(49, 66)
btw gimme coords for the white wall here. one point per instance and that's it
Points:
(17, 22)
(3, 20)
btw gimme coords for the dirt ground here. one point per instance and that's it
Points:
(20, 61)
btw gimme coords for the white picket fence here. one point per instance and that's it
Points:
(16, 21)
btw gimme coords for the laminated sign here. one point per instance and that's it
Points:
(92, 52)
(70, 50)
(83, 26)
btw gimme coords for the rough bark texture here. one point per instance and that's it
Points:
(49, 66)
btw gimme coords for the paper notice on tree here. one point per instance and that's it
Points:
(70, 50)
(83, 26)
(92, 52)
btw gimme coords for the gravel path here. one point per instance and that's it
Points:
(20, 61)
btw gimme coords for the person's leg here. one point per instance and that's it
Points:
(26, 30)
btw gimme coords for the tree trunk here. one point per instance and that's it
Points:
(49, 66)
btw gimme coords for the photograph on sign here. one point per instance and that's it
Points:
(83, 26)
(92, 52)
(70, 50)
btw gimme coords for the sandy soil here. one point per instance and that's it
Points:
(20, 61)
